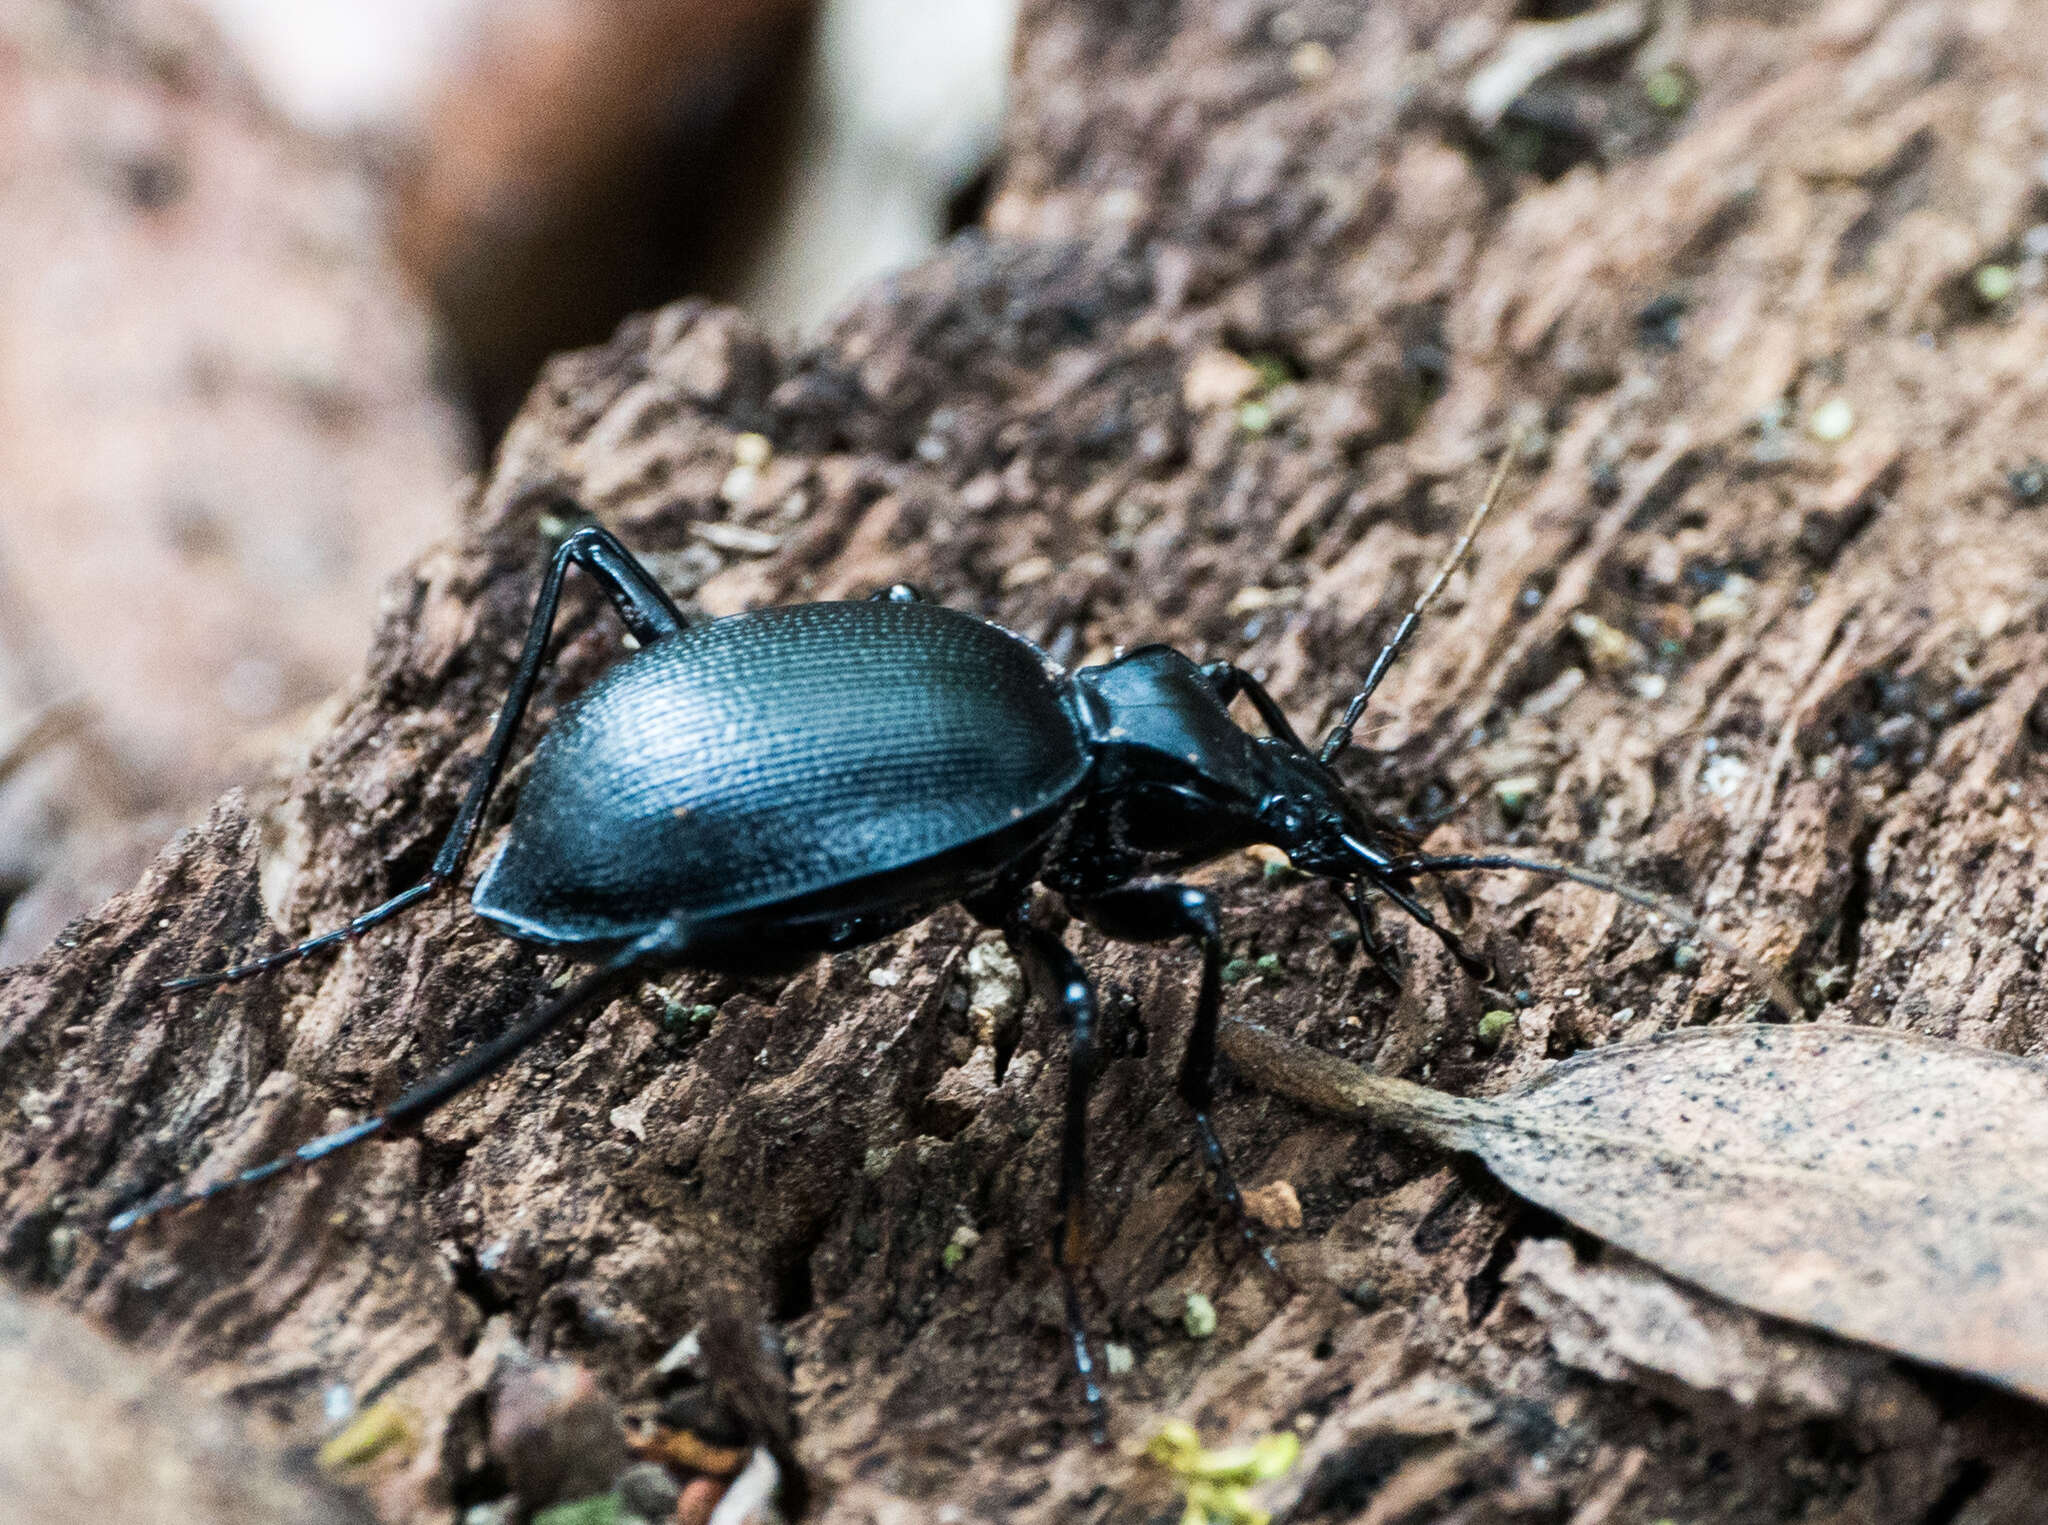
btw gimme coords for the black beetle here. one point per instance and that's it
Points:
(747, 793)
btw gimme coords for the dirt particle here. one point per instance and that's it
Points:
(1311, 62)
(1728, 604)
(1218, 379)
(1608, 649)
(1993, 284)
(1030, 570)
(2028, 484)
(554, 1430)
(1274, 1205)
(382, 1429)
(1515, 795)
(646, 1489)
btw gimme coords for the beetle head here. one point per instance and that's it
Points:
(1308, 814)
(1191, 782)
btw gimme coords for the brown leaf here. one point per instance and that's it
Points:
(1878, 1185)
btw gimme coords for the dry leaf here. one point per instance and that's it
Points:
(1878, 1185)
(1622, 1321)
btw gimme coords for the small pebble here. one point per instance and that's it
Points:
(1993, 283)
(1833, 421)
(1311, 62)
(959, 1247)
(1668, 90)
(1028, 571)
(1685, 958)
(647, 1490)
(699, 1499)
(2028, 484)
(1365, 1295)
(1198, 1317)
(1274, 1205)
(554, 1430)
(1606, 647)
(1514, 795)
(60, 1250)
(1218, 379)
(1118, 1359)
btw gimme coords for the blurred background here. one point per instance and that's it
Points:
(274, 275)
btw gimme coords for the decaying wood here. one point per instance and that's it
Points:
(1764, 632)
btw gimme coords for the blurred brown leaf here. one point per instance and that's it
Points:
(1878, 1185)
(94, 1432)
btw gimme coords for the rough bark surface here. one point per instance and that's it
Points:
(1787, 670)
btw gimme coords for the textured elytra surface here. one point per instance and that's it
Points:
(1815, 722)
(778, 754)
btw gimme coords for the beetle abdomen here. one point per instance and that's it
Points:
(777, 754)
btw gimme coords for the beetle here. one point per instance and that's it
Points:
(746, 793)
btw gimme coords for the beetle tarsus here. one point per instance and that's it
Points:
(1369, 942)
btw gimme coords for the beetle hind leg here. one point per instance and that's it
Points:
(661, 946)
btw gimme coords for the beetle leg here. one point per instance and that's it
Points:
(645, 611)
(1146, 913)
(1229, 680)
(1369, 942)
(1071, 987)
(667, 942)
(1054, 970)
(1467, 960)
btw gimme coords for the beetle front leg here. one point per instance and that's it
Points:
(1229, 680)
(1147, 913)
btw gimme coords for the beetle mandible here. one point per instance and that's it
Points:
(746, 793)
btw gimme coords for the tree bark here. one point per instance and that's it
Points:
(1760, 626)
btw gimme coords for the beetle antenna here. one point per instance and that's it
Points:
(479, 1062)
(1340, 734)
(1772, 987)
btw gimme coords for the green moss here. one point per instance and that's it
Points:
(1494, 1027)
(603, 1509)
